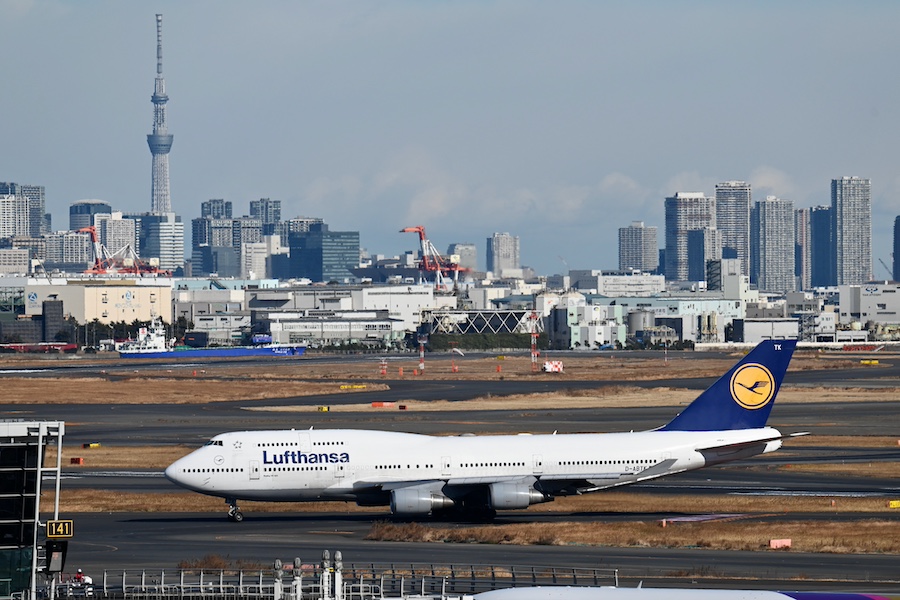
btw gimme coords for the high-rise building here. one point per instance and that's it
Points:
(503, 254)
(467, 253)
(301, 224)
(160, 141)
(161, 236)
(802, 248)
(772, 245)
(284, 229)
(13, 216)
(246, 230)
(851, 208)
(269, 214)
(896, 264)
(704, 245)
(116, 232)
(36, 221)
(68, 251)
(638, 248)
(323, 255)
(685, 211)
(81, 213)
(821, 248)
(253, 260)
(733, 220)
(222, 261)
(215, 209)
(212, 232)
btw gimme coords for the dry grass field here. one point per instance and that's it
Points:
(254, 385)
(864, 536)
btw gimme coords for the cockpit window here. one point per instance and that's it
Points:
(213, 443)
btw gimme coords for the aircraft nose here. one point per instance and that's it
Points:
(173, 473)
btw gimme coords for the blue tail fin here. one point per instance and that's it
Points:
(743, 397)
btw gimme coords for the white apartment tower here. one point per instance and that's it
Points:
(13, 215)
(733, 220)
(772, 236)
(638, 248)
(851, 219)
(503, 254)
(685, 212)
(116, 232)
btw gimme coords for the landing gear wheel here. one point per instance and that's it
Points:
(234, 513)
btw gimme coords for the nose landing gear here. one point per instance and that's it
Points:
(234, 512)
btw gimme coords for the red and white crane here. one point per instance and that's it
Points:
(124, 261)
(433, 262)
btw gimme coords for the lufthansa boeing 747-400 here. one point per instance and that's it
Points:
(421, 474)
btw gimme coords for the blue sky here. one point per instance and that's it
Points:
(558, 122)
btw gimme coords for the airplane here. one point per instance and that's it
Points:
(418, 475)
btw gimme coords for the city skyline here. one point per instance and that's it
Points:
(379, 118)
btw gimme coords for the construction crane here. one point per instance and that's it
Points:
(124, 261)
(887, 268)
(433, 262)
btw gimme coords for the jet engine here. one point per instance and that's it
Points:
(417, 501)
(508, 495)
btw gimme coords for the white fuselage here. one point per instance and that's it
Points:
(343, 464)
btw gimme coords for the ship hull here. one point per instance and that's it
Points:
(222, 352)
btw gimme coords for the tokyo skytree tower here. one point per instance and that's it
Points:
(160, 141)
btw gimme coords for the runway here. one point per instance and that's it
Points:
(157, 541)
(134, 541)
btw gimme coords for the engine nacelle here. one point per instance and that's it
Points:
(417, 501)
(514, 495)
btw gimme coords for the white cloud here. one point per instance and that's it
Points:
(323, 191)
(619, 183)
(769, 181)
(689, 181)
(412, 184)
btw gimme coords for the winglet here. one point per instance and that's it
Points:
(744, 396)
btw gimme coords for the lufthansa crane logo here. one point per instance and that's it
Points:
(752, 386)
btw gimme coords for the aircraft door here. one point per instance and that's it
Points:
(445, 466)
(254, 469)
(303, 439)
(538, 461)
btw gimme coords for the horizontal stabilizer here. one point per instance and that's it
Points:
(741, 445)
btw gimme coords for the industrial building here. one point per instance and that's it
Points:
(106, 300)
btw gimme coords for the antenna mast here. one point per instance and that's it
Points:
(160, 141)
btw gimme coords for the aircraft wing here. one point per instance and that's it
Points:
(387, 486)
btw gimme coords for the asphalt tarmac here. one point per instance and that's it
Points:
(134, 542)
(159, 541)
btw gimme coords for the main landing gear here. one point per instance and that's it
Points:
(234, 512)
